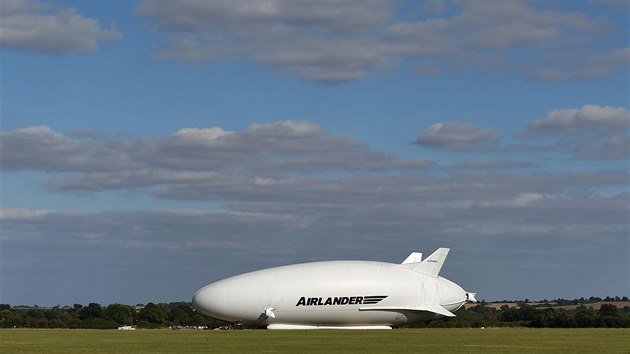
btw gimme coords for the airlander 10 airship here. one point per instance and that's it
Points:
(336, 295)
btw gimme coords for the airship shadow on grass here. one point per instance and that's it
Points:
(336, 295)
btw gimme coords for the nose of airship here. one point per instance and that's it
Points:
(206, 300)
(452, 296)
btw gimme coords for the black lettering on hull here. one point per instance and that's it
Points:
(340, 300)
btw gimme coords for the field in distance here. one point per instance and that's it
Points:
(374, 341)
(539, 305)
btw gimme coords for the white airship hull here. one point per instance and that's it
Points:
(335, 294)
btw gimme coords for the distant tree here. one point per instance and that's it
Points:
(121, 314)
(153, 314)
(484, 316)
(182, 315)
(200, 320)
(93, 310)
(34, 313)
(608, 310)
(9, 318)
(529, 314)
(53, 314)
(582, 308)
(585, 319)
(35, 322)
(562, 320)
(509, 314)
(543, 318)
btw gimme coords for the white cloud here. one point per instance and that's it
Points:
(272, 160)
(38, 27)
(191, 155)
(322, 41)
(591, 132)
(287, 128)
(194, 247)
(520, 201)
(40, 148)
(21, 213)
(203, 133)
(337, 41)
(458, 136)
(287, 191)
(588, 117)
(572, 66)
(491, 164)
(612, 148)
(192, 16)
(496, 26)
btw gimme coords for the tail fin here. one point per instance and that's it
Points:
(432, 264)
(414, 257)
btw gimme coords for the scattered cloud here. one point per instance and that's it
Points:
(297, 159)
(200, 244)
(572, 66)
(612, 148)
(337, 41)
(491, 165)
(192, 155)
(318, 41)
(591, 132)
(458, 136)
(35, 26)
(590, 116)
(520, 201)
(40, 148)
(287, 190)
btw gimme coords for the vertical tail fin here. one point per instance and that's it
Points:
(414, 257)
(432, 264)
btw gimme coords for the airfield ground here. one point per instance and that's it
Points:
(521, 340)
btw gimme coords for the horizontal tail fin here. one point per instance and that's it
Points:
(432, 264)
(438, 309)
(434, 308)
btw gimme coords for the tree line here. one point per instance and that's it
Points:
(178, 314)
(103, 317)
(482, 315)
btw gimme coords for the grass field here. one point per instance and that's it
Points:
(320, 341)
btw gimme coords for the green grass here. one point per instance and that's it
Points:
(320, 341)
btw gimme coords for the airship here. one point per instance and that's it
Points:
(336, 295)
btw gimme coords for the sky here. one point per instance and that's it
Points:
(148, 148)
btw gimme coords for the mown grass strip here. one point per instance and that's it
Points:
(521, 340)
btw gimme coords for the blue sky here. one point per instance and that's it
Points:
(151, 147)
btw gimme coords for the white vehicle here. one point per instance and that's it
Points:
(126, 328)
(336, 294)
